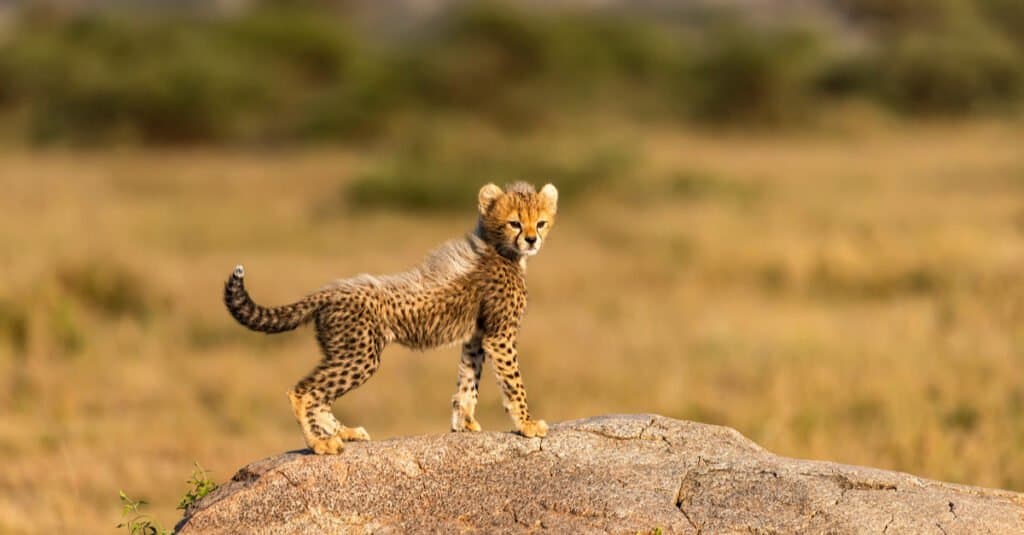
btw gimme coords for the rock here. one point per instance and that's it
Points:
(619, 474)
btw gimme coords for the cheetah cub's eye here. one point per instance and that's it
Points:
(540, 224)
(515, 224)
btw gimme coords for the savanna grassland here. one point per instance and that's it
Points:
(811, 230)
(853, 294)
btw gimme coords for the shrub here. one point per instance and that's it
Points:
(108, 289)
(1008, 15)
(14, 325)
(741, 74)
(134, 521)
(515, 65)
(433, 174)
(956, 71)
(944, 57)
(98, 77)
(200, 485)
(896, 16)
(285, 71)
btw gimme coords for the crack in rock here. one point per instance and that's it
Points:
(663, 438)
(892, 518)
(599, 431)
(283, 474)
(680, 498)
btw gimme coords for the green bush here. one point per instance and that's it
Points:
(14, 325)
(1007, 15)
(433, 174)
(285, 72)
(108, 289)
(264, 75)
(741, 74)
(898, 16)
(943, 56)
(99, 77)
(955, 72)
(514, 66)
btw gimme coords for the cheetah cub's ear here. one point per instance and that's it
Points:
(488, 194)
(551, 194)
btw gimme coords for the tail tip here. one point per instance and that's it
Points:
(239, 272)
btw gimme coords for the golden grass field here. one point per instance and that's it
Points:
(854, 295)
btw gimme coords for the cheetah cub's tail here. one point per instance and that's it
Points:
(265, 319)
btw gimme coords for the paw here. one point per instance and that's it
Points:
(467, 424)
(352, 434)
(331, 445)
(533, 428)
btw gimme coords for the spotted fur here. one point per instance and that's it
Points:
(470, 291)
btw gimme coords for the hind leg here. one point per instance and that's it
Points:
(351, 350)
(465, 398)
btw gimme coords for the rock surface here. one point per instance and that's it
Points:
(619, 474)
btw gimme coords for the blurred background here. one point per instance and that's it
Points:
(800, 218)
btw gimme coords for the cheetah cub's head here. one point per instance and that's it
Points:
(516, 220)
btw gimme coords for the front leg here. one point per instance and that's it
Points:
(502, 350)
(465, 398)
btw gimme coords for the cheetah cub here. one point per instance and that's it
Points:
(470, 291)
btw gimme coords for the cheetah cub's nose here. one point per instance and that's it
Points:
(531, 239)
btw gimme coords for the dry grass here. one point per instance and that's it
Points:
(856, 296)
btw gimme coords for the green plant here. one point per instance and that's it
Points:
(433, 174)
(295, 71)
(930, 57)
(107, 288)
(201, 485)
(136, 522)
(959, 70)
(14, 325)
(747, 74)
